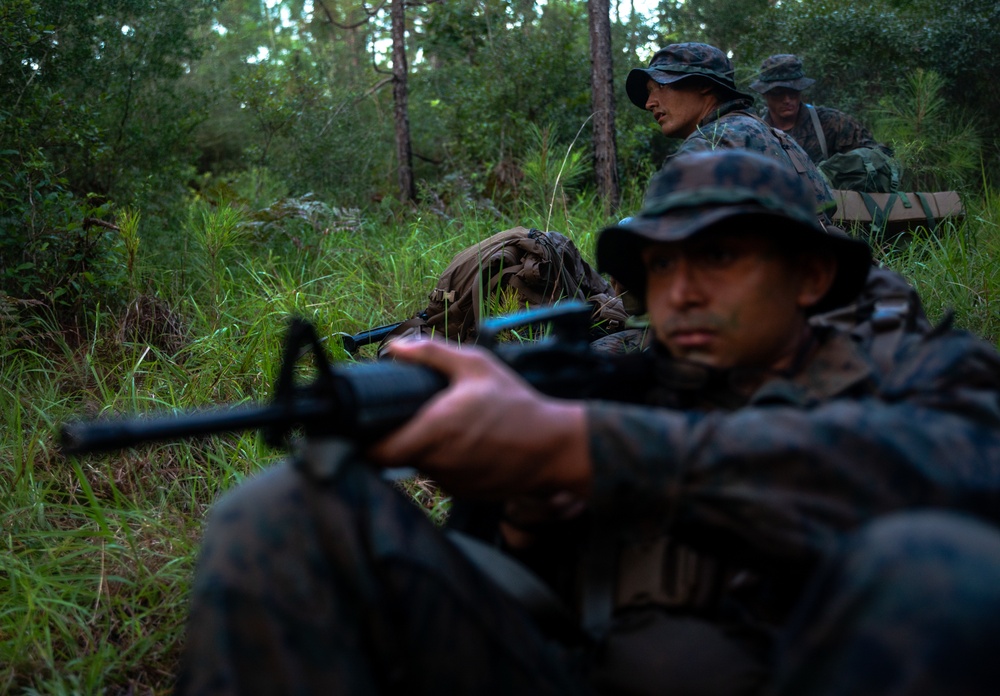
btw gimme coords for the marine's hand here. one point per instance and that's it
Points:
(489, 434)
(524, 516)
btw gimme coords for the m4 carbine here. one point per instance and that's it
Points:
(362, 402)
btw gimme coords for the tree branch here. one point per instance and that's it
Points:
(375, 65)
(89, 222)
(364, 8)
(368, 92)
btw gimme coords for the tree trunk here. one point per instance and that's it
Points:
(602, 88)
(404, 148)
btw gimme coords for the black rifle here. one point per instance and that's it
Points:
(362, 402)
(352, 342)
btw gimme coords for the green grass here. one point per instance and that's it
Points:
(956, 268)
(99, 551)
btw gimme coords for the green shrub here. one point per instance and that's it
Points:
(937, 146)
(55, 248)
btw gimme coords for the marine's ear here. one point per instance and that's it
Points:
(816, 275)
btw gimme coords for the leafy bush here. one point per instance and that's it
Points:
(938, 148)
(55, 247)
(865, 55)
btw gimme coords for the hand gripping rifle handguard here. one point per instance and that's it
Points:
(362, 402)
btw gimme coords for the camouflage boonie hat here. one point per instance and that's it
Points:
(679, 61)
(782, 70)
(696, 191)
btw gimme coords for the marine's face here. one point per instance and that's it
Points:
(783, 103)
(732, 299)
(678, 109)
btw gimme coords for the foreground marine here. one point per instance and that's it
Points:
(751, 527)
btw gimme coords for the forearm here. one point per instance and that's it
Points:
(785, 482)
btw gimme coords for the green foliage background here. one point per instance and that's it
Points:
(178, 177)
(123, 103)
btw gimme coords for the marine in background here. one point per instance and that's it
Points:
(820, 130)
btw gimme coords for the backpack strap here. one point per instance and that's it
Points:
(879, 324)
(931, 222)
(819, 130)
(506, 276)
(442, 296)
(895, 178)
(783, 138)
(880, 216)
(600, 569)
(888, 322)
(879, 320)
(871, 174)
(564, 275)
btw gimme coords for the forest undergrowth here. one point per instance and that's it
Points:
(100, 549)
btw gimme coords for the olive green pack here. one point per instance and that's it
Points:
(533, 267)
(862, 169)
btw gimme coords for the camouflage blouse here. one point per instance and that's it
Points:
(733, 126)
(843, 133)
(813, 454)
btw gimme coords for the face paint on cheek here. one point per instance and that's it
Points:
(732, 321)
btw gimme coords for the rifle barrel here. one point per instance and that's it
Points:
(103, 436)
(352, 342)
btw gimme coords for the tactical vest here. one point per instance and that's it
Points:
(820, 135)
(801, 163)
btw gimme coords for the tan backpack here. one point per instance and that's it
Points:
(539, 268)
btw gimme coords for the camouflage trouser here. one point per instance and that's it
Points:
(345, 587)
(911, 607)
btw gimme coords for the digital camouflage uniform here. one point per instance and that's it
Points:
(863, 615)
(843, 133)
(322, 578)
(345, 587)
(311, 584)
(732, 125)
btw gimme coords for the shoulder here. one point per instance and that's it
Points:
(735, 129)
(887, 323)
(827, 111)
(942, 363)
(743, 119)
(739, 123)
(836, 119)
